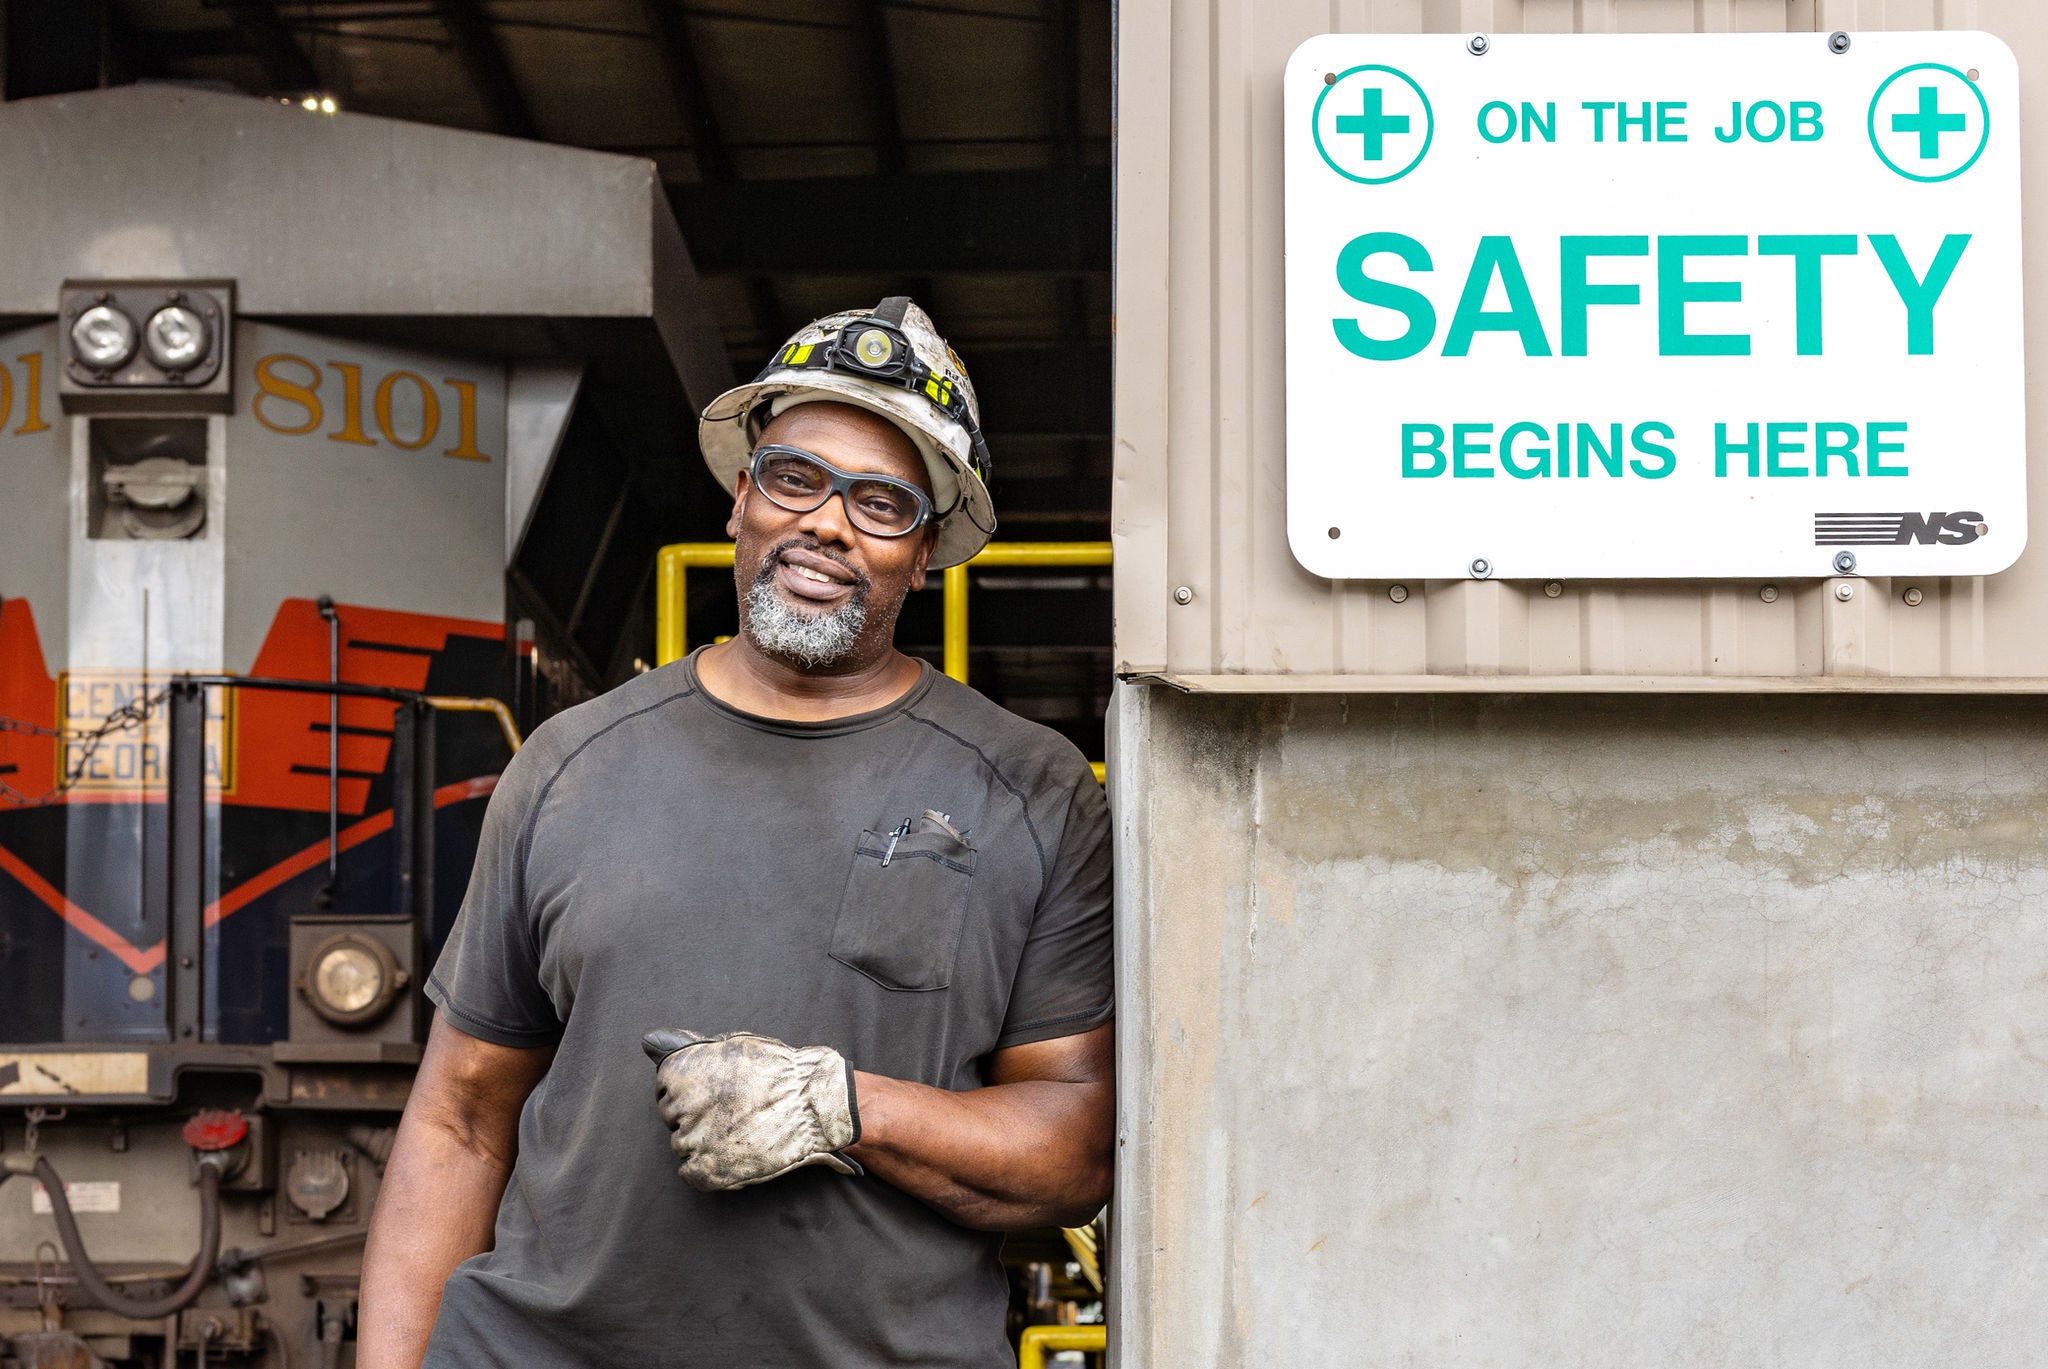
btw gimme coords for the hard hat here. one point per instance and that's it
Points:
(891, 361)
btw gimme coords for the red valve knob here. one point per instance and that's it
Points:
(215, 1129)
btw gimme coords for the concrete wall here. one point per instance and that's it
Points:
(1609, 1033)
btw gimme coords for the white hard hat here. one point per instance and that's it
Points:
(889, 360)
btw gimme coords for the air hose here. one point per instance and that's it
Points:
(88, 1274)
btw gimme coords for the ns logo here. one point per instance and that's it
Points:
(1897, 529)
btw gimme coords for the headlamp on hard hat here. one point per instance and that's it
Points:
(875, 349)
(874, 359)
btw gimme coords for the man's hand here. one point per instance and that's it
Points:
(743, 1109)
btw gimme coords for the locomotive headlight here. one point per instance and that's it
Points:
(351, 980)
(135, 346)
(348, 979)
(103, 337)
(175, 336)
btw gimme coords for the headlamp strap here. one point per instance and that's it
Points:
(915, 376)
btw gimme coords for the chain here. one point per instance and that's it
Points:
(126, 718)
(35, 1117)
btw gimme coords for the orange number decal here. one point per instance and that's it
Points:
(274, 386)
(430, 411)
(351, 406)
(31, 396)
(465, 446)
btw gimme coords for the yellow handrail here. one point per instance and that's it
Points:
(1081, 1241)
(674, 562)
(1005, 554)
(671, 600)
(448, 703)
(1036, 1341)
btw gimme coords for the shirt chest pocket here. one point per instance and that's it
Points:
(904, 907)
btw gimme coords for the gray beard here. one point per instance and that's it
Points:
(811, 641)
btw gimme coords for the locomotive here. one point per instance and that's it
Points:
(331, 445)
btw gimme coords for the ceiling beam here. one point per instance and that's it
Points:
(670, 29)
(164, 46)
(878, 80)
(952, 221)
(1040, 390)
(1063, 80)
(483, 58)
(1063, 118)
(51, 49)
(264, 31)
(764, 303)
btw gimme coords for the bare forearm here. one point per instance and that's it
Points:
(1003, 1158)
(456, 1145)
(437, 1208)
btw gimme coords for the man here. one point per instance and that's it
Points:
(859, 915)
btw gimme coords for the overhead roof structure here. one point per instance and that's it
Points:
(814, 156)
(458, 228)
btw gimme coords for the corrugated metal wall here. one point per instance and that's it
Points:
(1200, 434)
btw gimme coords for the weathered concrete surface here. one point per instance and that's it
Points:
(1602, 1033)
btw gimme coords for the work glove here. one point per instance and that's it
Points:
(743, 1109)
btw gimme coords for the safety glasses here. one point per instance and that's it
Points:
(800, 481)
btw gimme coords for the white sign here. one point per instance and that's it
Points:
(98, 1195)
(1654, 306)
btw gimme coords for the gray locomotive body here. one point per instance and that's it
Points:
(284, 398)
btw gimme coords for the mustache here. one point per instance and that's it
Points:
(773, 555)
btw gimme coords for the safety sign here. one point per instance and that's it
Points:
(1627, 306)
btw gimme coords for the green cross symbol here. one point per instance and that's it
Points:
(1929, 123)
(1373, 123)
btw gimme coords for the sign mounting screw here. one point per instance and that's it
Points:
(1838, 42)
(1913, 596)
(1845, 561)
(1481, 568)
(1769, 594)
(1398, 593)
(1553, 588)
(1845, 591)
(1183, 595)
(1478, 46)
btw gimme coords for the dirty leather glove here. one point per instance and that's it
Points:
(743, 1108)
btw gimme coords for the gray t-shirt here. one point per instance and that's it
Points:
(657, 858)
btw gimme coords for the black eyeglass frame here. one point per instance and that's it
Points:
(842, 483)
